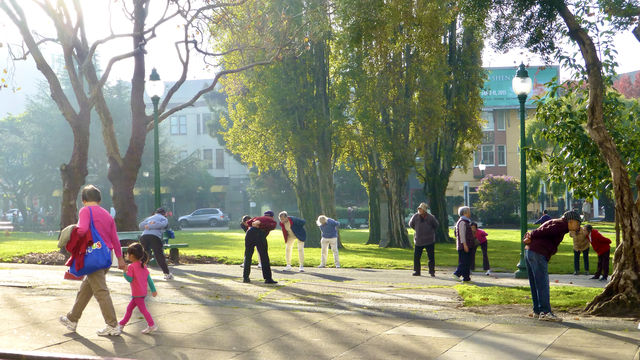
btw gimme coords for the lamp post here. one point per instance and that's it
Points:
(482, 167)
(155, 88)
(146, 174)
(522, 87)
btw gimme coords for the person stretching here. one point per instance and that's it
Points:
(138, 276)
(329, 229)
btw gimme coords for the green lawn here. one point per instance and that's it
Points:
(562, 297)
(228, 247)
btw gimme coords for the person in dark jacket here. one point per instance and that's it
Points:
(544, 218)
(292, 230)
(256, 237)
(244, 225)
(601, 246)
(425, 226)
(541, 244)
(464, 243)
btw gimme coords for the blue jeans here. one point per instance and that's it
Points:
(537, 268)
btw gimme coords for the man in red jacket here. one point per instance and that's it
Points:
(541, 244)
(256, 237)
(601, 246)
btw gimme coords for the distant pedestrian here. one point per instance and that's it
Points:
(256, 237)
(329, 230)
(601, 245)
(580, 246)
(544, 218)
(481, 238)
(464, 242)
(540, 245)
(138, 276)
(424, 238)
(586, 210)
(153, 229)
(350, 216)
(95, 284)
(292, 230)
(245, 226)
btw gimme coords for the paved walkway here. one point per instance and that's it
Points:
(208, 313)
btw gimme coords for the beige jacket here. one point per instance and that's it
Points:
(65, 235)
(580, 239)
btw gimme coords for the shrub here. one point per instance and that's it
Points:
(499, 197)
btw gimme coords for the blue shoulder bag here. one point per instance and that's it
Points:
(98, 255)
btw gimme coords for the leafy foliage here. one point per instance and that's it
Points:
(499, 197)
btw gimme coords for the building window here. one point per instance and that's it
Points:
(487, 154)
(502, 155)
(198, 128)
(206, 122)
(501, 120)
(219, 158)
(487, 125)
(207, 157)
(178, 125)
(182, 155)
(484, 154)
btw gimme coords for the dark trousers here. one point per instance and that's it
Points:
(485, 257)
(256, 238)
(576, 260)
(464, 265)
(603, 265)
(417, 255)
(154, 243)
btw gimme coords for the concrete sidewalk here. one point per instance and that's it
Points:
(208, 313)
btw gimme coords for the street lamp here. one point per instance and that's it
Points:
(155, 88)
(482, 167)
(522, 87)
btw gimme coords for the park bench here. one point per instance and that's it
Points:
(357, 222)
(6, 226)
(127, 237)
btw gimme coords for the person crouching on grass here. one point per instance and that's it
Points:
(541, 244)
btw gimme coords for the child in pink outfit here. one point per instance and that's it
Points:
(138, 275)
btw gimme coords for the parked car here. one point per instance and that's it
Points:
(13, 212)
(208, 217)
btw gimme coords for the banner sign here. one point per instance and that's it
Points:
(498, 93)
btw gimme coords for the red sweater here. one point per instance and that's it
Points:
(77, 247)
(266, 223)
(546, 238)
(599, 243)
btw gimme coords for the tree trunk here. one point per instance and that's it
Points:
(395, 189)
(308, 199)
(73, 173)
(620, 297)
(373, 190)
(435, 187)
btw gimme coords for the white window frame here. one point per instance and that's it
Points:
(502, 117)
(493, 152)
(504, 152)
(489, 121)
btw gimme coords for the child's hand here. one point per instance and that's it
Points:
(154, 294)
(126, 268)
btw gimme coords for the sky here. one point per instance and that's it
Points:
(27, 76)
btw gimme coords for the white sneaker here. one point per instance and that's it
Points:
(549, 317)
(301, 269)
(242, 265)
(168, 276)
(259, 266)
(120, 327)
(488, 272)
(150, 329)
(287, 268)
(109, 331)
(337, 266)
(68, 323)
(320, 266)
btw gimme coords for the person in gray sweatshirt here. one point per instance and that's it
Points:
(152, 229)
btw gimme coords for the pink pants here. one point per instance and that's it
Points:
(139, 302)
